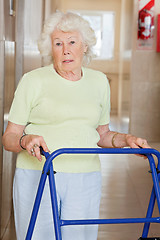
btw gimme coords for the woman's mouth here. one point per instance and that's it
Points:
(67, 61)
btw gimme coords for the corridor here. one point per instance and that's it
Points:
(134, 78)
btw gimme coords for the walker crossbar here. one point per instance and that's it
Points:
(58, 223)
(109, 221)
(155, 238)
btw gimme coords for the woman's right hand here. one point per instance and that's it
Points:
(11, 141)
(32, 144)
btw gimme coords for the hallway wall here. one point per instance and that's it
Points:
(7, 70)
(145, 86)
(1, 98)
(19, 54)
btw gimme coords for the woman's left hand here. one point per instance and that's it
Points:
(136, 142)
(119, 140)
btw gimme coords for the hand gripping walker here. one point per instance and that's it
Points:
(58, 223)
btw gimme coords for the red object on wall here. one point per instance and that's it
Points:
(158, 33)
(145, 24)
(146, 21)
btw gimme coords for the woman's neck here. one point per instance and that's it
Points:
(70, 75)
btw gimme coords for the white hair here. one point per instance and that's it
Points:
(66, 22)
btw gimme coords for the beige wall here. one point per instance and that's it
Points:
(18, 54)
(7, 85)
(145, 86)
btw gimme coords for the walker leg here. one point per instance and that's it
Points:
(36, 206)
(149, 213)
(56, 219)
(154, 195)
(156, 179)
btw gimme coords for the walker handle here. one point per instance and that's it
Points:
(43, 153)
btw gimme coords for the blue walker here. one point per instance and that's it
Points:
(58, 223)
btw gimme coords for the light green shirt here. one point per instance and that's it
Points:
(66, 113)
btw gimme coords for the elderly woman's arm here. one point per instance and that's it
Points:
(113, 139)
(11, 140)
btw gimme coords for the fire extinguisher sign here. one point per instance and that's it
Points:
(145, 24)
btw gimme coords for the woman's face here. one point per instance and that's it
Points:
(67, 51)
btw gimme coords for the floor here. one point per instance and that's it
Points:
(126, 188)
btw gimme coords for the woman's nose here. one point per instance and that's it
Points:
(66, 49)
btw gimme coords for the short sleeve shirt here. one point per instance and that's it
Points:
(66, 113)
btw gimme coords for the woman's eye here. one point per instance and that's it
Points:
(58, 44)
(72, 42)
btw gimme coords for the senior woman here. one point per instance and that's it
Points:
(63, 104)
